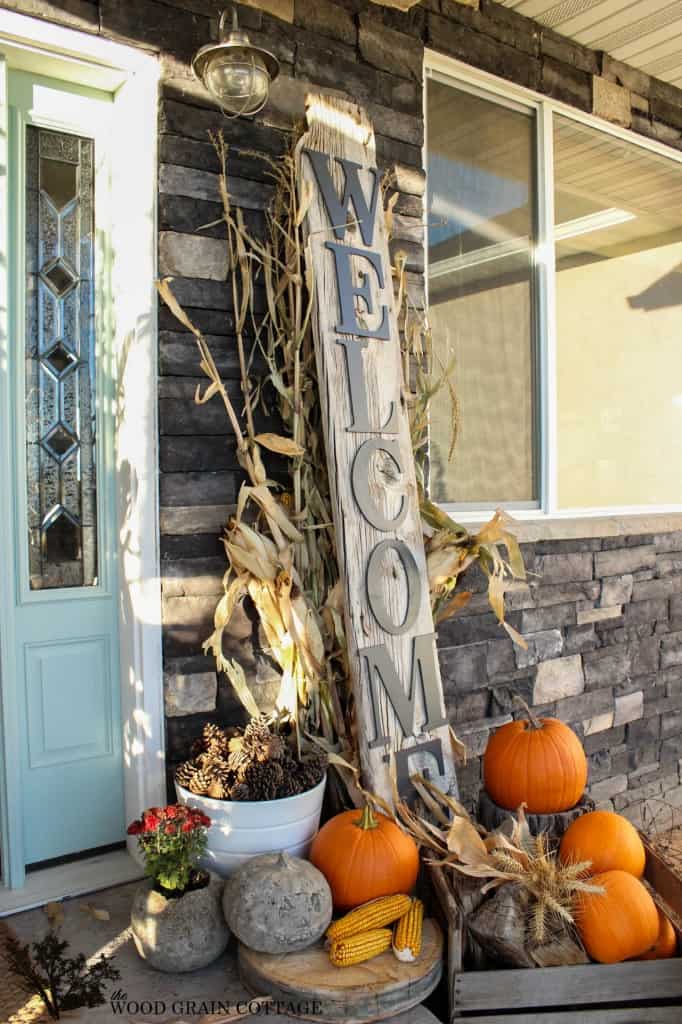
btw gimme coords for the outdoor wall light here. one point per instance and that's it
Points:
(236, 73)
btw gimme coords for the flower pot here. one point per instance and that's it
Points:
(241, 829)
(180, 934)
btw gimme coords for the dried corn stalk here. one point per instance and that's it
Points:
(280, 543)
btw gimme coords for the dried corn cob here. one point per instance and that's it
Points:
(407, 934)
(355, 949)
(375, 914)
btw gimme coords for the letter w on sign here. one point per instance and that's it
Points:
(392, 652)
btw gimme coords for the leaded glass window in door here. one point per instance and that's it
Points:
(60, 360)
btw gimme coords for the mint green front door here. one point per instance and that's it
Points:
(64, 689)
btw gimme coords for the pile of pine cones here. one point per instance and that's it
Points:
(253, 764)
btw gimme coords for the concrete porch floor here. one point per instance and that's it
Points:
(171, 996)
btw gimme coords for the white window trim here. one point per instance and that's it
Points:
(462, 76)
(132, 76)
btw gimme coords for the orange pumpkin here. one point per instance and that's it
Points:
(364, 855)
(606, 839)
(665, 945)
(539, 762)
(619, 924)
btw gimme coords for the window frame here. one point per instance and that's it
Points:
(464, 77)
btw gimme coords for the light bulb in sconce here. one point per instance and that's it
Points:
(236, 73)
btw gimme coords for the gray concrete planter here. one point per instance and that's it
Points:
(183, 934)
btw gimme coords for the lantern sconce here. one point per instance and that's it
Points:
(236, 73)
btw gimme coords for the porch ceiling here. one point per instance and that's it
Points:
(644, 33)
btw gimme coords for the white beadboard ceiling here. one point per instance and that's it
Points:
(644, 33)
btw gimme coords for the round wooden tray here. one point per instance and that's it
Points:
(307, 985)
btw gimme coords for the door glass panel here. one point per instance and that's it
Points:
(60, 360)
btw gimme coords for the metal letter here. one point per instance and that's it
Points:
(424, 759)
(339, 211)
(359, 478)
(382, 672)
(375, 591)
(358, 391)
(348, 292)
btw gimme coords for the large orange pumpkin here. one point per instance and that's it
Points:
(539, 762)
(665, 945)
(606, 839)
(619, 924)
(364, 855)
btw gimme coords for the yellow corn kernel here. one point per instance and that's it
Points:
(407, 934)
(355, 949)
(375, 914)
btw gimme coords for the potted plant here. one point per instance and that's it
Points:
(177, 918)
(261, 796)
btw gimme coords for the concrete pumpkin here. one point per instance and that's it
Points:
(606, 839)
(536, 761)
(619, 924)
(364, 855)
(277, 904)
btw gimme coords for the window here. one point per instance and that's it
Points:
(567, 367)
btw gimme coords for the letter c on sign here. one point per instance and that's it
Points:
(360, 482)
(375, 591)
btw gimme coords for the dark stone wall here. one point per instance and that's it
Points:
(603, 618)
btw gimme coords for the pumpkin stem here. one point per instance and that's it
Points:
(368, 820)
(533, 720)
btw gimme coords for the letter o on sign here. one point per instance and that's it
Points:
(375, 591)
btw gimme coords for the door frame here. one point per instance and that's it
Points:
(131, 76)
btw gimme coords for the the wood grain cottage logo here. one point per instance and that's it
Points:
(378, 528)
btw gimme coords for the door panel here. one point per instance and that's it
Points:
(66, 643)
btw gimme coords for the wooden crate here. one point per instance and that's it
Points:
(636, 992)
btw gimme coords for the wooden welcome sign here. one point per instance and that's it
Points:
(391, 641)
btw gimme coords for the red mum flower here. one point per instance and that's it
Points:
(170, 829)
(172, 811)
(186, 826)
(135, 828)
(150, 821)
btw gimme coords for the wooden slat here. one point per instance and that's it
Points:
(663, 880)
(570, 986)
(650, 1015)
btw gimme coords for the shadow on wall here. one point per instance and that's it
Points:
(662, 294)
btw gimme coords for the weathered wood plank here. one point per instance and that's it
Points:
(649, 1015)
(148, 24)
(183, 453)
(203, 488)
(665, 882)
(195, 123)
(80, 14)
(210, 321)
(196, 184)
(569, 986)
(383, 504)
(181, 520)
(182, 254)
(179, 355)
(175, 149)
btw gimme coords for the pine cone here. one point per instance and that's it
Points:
(263, 780)
(217, 790)
(200, 782)
(240, 792)
(184, 773)
(214, 737)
